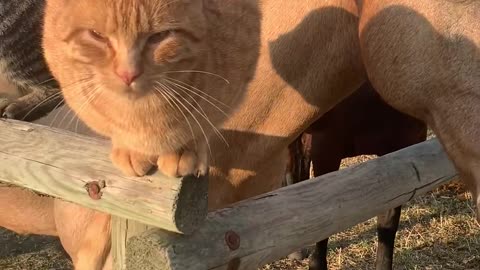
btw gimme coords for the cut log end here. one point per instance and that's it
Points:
(192, 204)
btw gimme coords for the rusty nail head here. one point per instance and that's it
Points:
(232, 239)
(94, 189)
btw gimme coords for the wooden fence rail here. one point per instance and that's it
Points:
(77, 168)
(262, 229)
(246, 235)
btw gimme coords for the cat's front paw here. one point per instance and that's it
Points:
(183, 163)
(132, 163)
(9, 109)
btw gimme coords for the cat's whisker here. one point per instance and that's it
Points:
(192, 88)
(75, 85)
(72, 111)
(46, 81)
(92, 95)
(165, 94)
(170, 92)
(76, 114)
(199, 72)
(203, 114)
(84, 80)
(56, 107)
(76, 124)
(96, 94)
(64, 117)
(187, 91)
(192, 114)
(159, 91)
(173, 86)
(48, 99)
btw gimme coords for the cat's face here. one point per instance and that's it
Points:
(141, 71)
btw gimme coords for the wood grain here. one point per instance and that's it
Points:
(61, 163)
(122, 231)
(273, 225)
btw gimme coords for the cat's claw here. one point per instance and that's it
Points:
(182, 164)
(8, 109)
(132, 163)
(174, 164)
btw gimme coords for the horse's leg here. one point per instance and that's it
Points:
(408, 131)
(387, 226)
(84, 233)
(318, 258)
(26, 212)
(326, 157)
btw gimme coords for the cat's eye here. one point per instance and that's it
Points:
(98, 36)
(158, 37)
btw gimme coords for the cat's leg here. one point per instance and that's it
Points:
(34, 105)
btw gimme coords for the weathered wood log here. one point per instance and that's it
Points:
(262, 229)
(122, 231)
(77, 168)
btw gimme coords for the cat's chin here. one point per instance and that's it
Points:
(134, 92)
(134, 95)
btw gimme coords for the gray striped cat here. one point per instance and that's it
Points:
(22, 63)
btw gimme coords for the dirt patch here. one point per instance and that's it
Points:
(22, 252)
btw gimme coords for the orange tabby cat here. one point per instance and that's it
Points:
(137, 72)
(292, 87)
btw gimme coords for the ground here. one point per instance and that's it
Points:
(31, 253)
(437, 231)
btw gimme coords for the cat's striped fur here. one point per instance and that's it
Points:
(21, 60)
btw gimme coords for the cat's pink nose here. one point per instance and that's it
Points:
(128, 76)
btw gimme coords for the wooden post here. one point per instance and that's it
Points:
(262, 229)
(78, 169)
(122, 231)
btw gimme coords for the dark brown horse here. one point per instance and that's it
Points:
(362, 124)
